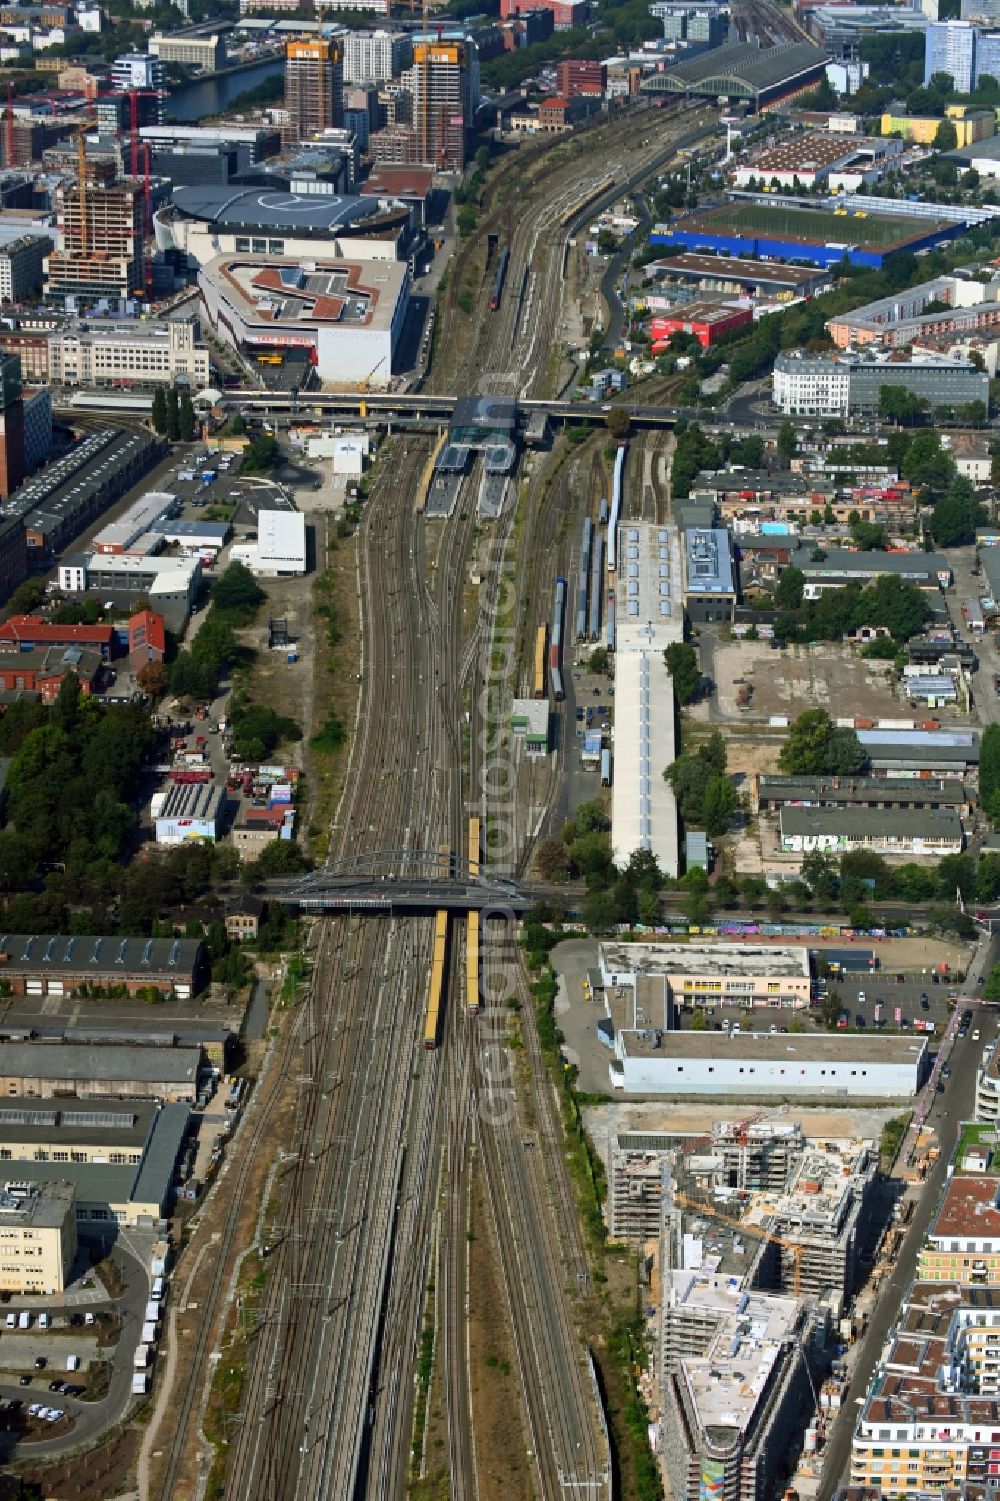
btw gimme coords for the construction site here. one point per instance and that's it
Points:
(752, 1237)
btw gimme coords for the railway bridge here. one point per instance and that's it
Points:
(393, 881)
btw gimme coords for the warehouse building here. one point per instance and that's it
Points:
(886, 831)
(207, 538)
(348, 315)
(771, 793)
(756, 1065)
(744, 72)
(723, 273)
(50, 1069)
(189, 812)
(67, 495)
(922, 753)
(119, 1160)
(47, 965)
(43, 669)
(280, 548)
(708, 322)
(120, 535)
(169, 583)
(25, 633)
(806, 161)
(37, 1235)
(643, 804)
(839, 566)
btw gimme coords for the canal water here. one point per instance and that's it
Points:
(205, 97)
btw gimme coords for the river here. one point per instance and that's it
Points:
(206, 97)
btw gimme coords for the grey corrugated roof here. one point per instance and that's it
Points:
(152, 1184)
(65, 1060)
(907, 823)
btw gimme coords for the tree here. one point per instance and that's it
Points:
(618, 423)
(989, 768)
(158, 413)
(946, 136)
(598, 660)
(261, 454)
(599, 911)
(991, 989)
(899, 405)
(185, 417)
(788, 443)
(237, 589)
(238, 425)
(788, 594)
(820, 874)
(552, 860)
(817, 747)
(173, 415)
(928, 465)
(152, 678)
(804, 750)
(831, 1008)
(682, 664)
(868, 536)
(956, 516)
(719, 803)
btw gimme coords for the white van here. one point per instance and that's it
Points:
(12, 1321)
(24, 1320)
(88, 1319)
(44, 1321)
(72, 1362)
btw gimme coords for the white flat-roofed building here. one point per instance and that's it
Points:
(714, 974)
(280, 549)
(648, 586)
(118, 536)
(350, 313)
(102, 353)
(758, 1065)
(643, 805)
(207, 52)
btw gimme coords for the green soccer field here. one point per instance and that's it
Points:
(810, 224)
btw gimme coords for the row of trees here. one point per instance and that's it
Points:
(173, 414)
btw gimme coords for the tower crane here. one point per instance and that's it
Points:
(741, 1225)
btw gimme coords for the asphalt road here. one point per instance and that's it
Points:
(90, 1418)
(950, 1109)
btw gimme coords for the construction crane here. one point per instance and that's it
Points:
(747, 1229)
(365, 386)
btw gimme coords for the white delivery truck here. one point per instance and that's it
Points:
(157, 1289)
(24, 1320)
(148, 1335)
(140, 1360)
(140, 1383)
(152, 1314)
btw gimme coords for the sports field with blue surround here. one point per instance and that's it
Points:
(818, 237)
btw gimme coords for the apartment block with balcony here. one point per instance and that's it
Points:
(963, 1241)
